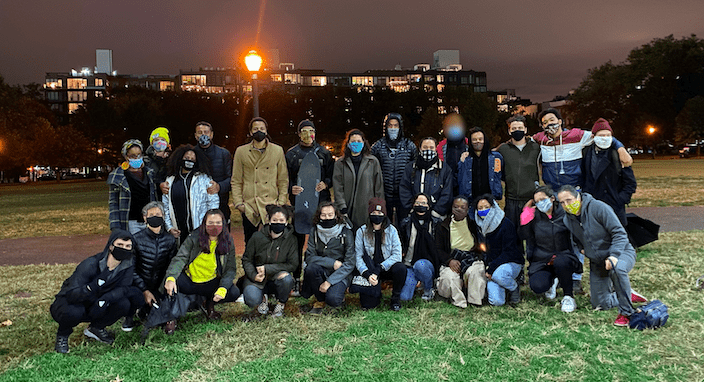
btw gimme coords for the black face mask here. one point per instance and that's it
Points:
(188, 164)
(277, 228)
(517, 135)
(155, 221)
(259, 136)
(420, 209)
(328, 223)
(121, 254)
(377, 219)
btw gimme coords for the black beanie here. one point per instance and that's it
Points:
(304, 123)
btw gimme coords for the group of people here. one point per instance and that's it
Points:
(424, 218)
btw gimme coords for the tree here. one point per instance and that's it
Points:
(430, 124)
(690, 122)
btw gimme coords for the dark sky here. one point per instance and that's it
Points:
(540, 48)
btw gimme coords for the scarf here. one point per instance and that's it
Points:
(480, 172)
(327, 234)
(424, 247)
(492, 221)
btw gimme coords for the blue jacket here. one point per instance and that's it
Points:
(436, 182)
(390, 248)
(393, 162)
(464, 175)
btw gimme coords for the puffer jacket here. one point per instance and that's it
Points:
(276, 255)
(201, 201)
(546, 237)
(153, 254)
(340, 248)
(393, 162)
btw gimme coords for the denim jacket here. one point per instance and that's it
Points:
(464, 175)
(390, 248)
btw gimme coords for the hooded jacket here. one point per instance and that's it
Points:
(495, 173)
(546, 237)
(92, 280)
(353, 191)
(340, 248)
(393, 160)
(153, 254)
(276, 255)
(436, 182)
(598, 231)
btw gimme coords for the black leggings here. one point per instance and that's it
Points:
(100, 313)
(207, 289)
(562, 268)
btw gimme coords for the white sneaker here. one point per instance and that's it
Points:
(279, 310)
(240, 299)
(568, 304)
(263, 308)
(552, 292)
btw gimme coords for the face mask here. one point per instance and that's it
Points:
(327, 223)
(136, 163)
(259, 136)
(307, 137)
(477, 146)
(356, 147)
(160, 146)
(213, 230)
(155, 221)
(392, 133)
(573, 208)
(420, 209)
(277, 228)
(482, 213)
(428, 155)
(517, 135)
(188, 164)
(603, 142)
(204, 140)
(377, 219)
(551, 129)
(544, 205)
(454, 133)
(121, 254)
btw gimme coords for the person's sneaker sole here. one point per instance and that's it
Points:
(92, 336)
(637, 297)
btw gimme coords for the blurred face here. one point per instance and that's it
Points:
(258, 126)
(327, 213)
(134, 153)
(477, 141)
(278, 217)
(459, 209)
(566, 197)
(427, 144)
(203, 130)
(213, 220)
(483, 205)
(603, 133)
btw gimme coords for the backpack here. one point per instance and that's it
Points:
(652, 315)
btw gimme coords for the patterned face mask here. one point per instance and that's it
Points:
(573, 208)
(392, 133)
(428, 155)
(307, 137)
(552, 128)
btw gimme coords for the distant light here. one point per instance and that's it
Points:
(651, 130)
(253, 61)
(114, 72)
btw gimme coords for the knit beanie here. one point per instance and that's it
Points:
(159, 132)
(601, 124)
(377, 204)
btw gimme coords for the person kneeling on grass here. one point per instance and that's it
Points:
(504, 261)
(551, 256)
(269, 260)
(330, 259)
(378, 258)
(99, 291)
(599, 233)
(205, 266)
(417, 232)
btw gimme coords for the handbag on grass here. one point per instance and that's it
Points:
(650, 316)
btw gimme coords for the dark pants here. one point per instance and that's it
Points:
(224, 206)
(100, 313)
(301, 238)
(281, 287)
(315, 275)
(248, 228)
(395, 210)
(370, 297)
(513, 211)
(207, 289)
(562, 268)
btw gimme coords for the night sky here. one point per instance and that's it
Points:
(540, 48)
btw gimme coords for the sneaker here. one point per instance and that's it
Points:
(61, 345)
(568, 304)
(428, 294)
(240, 299)
(514, 296)
(101, 335)
(622, 320)
(279, 310)
(577, 287)
(552, 292)
(318, 307)
(128, 324)
(395, 304)
(637, 297)
(296, 291)
(263, 308)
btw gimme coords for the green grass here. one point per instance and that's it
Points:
(425, 341)
(668, 182)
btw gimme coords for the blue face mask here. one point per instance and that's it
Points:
(356, 147)
(136, 163)
(392, 133)
(160, 146)
(455, 133)
(482, 213)
(544, 205)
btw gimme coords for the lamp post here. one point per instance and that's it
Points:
(254, 62)
(651, 131)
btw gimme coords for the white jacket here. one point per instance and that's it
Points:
(200, 201)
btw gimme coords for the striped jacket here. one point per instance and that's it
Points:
(120, 196)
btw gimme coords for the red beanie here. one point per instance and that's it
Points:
(377, 204)
(601, 124)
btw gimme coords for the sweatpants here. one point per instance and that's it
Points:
(370, 296)
(281, 287)
(562, 268)
(315, 275)
(450, 285)
(612, 288)
(100, 313)
(207, 289)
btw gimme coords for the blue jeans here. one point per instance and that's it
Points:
(422, 270)
(281, 287)
(503, 279)
(580, 256)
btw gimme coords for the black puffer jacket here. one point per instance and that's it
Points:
(546, 237)
(153, 254)
(393, 162)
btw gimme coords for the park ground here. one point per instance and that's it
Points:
(425, 341)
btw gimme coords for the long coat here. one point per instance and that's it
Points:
(353, 191)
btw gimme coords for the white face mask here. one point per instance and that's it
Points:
(603, 142)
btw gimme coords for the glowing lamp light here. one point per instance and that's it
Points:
(651, 130)
(253, 61)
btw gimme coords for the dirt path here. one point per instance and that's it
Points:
(73, 249)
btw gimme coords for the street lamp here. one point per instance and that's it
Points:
(254, 62)
(651, 131)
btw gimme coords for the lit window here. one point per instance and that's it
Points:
(193, 79)
(53, 83)
(166, 85)
(276, 77)
(99, 82)
(440, 78)
(363, 80)
(76, 96)
(76, 83)
(72, 107)
(441, 88)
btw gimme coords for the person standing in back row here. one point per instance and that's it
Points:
(394, 152)
(220, 164)
(480, 170)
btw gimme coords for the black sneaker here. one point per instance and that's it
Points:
(61, 345)
(101, 335)
(514, 296)
(128, 324)
(395, 305)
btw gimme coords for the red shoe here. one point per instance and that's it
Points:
(622, 320)
(637, 297)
